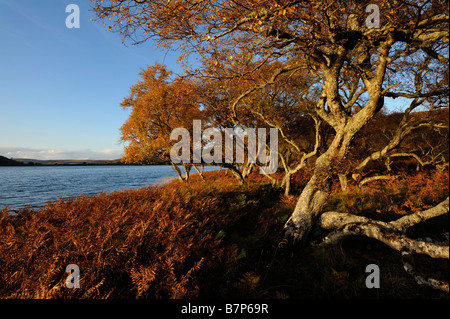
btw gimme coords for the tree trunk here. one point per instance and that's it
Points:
(377, 178)
(187, 168)
(272, 179)
(316, 192)
(312, 199)
(247, 170)
(287, 184)
(177, 169)
(200, 172)
(235, 172)
(346, 126)
(187, 171)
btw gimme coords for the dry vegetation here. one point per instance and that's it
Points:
(212, 238)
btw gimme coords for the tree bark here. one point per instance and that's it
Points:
(335, 220)
(286, 183)
(397, 242)
(389, 233)
(311, 200)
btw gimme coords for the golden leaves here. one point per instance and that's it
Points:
(159, 104)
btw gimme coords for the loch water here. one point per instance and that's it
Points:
(35, 185)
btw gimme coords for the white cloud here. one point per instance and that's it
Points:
(60, 154)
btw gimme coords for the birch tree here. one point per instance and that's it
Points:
(159, 104)
(362, 61)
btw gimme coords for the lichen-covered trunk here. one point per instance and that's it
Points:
(316, 192)
(311, 200)
(346, 126)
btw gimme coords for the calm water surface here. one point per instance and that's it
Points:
(35, 185)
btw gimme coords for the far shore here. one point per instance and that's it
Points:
(71, 162)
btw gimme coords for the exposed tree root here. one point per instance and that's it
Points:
(334, 220)
(421, 280)
(397, 242)
(392, 234)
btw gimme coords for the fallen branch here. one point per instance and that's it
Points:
(377, 178)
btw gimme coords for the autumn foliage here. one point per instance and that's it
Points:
(159, 103)
(202, 240)
(351, 104)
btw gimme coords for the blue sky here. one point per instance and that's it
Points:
(60, 88)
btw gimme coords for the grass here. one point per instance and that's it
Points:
(210, 239)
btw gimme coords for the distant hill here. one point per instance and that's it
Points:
(35, 162)
(30, 161)
(8, 162)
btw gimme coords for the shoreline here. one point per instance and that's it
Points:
(195, 241)
(38, 206)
